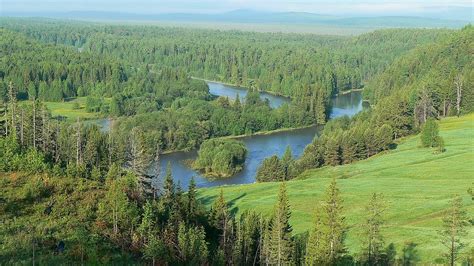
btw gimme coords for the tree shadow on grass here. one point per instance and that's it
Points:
(231, 204)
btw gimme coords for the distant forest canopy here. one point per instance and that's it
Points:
(294, 65)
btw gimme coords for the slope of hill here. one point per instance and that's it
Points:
(416, 183)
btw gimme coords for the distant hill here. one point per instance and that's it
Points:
(245, 16)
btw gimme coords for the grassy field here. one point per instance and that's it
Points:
(416, 183)
(69, 108)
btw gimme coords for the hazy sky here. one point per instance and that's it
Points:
(208, 6)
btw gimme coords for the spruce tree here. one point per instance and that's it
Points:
(221, 220)
(334, 223)
(332, 152)
(281, 244)
(191, 210)
(454, 230)
(168, 188)
(287, 163)
(372, 236)
(139, 159)
(316, 248)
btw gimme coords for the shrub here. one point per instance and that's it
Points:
(430, 134)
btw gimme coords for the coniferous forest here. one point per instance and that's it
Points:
(73, 192)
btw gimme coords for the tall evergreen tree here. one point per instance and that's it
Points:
(220, 218)
(191, 208)
(139, 159)
(168, 188)
(334, 223)
(281, 242)
(287, 163)
(316, 248)
(372, 236)
(454, 230)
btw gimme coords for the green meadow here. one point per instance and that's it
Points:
(417, 184)
(71, 109)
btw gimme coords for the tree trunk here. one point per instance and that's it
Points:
(34, 252)
(34, 123)
(458, 83)
(12, 96)
(44, 133)
(78, 142)
(21, 127)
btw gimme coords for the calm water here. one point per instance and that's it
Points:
(220, 89)
(259, 147)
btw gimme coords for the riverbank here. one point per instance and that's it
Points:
(240, 86)
(269, 132)
(348, 92)
(259, 133)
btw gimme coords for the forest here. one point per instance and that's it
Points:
(73, 193)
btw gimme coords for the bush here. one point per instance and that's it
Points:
(34, 188)
(430, 134)
(33, 162)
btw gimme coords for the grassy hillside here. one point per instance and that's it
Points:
(416, 182)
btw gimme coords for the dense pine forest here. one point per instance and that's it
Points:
(75, 193)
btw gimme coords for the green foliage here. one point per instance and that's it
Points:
(192, 245)
(454, 231)
(430, 75)
(33, 162)
(35, 188)
(9, 158)
(316, 246)
(280, 241)
(430, 135)
(271, 170)
(220, 157)
(372, 236)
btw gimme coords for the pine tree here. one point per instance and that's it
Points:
(191, 210)
(316, 248)
(139, 159)
(334, 223)
(168, 188)
(221, 220)
(287, 163)
(247, 236)
(12, 94)
(281, 244)
(271, 169)
(454, 230)
(372, 235)
(148, 222)
(192, 245)
(332, 152)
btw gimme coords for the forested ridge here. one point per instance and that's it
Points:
(296, 65)
(77, 194)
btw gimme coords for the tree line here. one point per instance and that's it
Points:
(113, 221)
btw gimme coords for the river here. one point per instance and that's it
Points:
(259, 146)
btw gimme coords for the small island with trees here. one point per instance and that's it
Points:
(220, 158)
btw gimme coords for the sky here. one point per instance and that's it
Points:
(334, 7)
